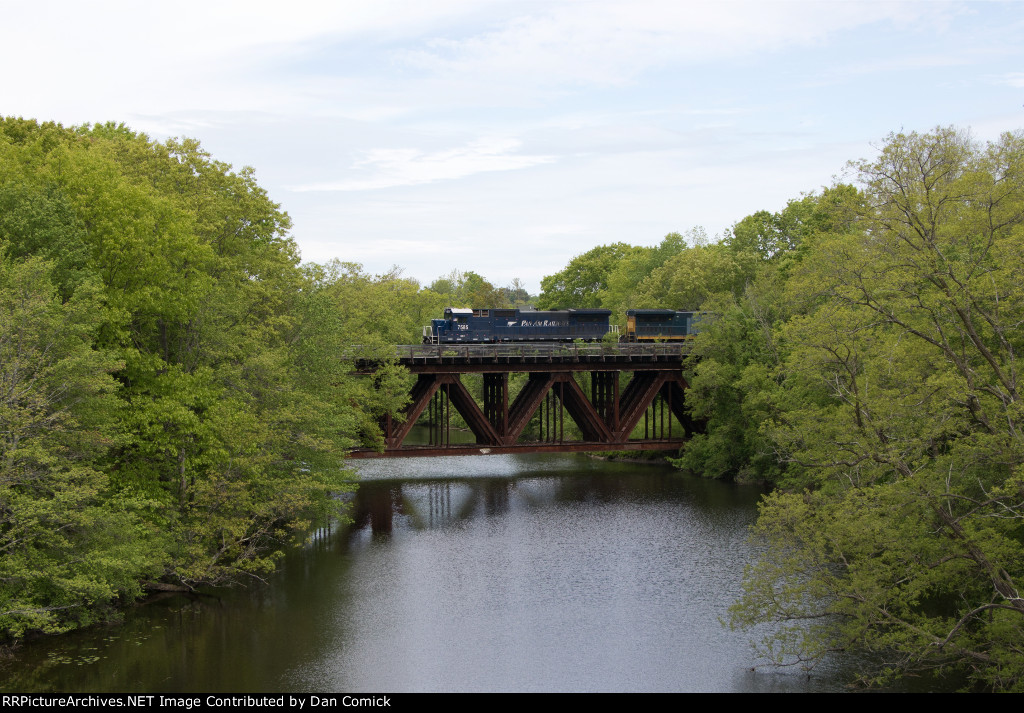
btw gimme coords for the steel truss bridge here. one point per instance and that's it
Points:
(607, 417)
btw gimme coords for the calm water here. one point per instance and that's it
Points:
(494, 573)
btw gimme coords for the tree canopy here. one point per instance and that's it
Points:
(176, 406)
(895, 411)
(579, 285)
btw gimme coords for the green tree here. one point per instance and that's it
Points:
(621, 292)
(231, 422)
(687, 279)
(735, 387)
(375, 310)
(516, 294)
(580, 283)
(902, 414)
(776, 236)
(43, 224)
(68, 549)
(468, 289)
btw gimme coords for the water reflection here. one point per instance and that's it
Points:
(601, 577)
(533, 573)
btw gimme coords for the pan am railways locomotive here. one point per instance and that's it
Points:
(461, 326)
(481, 326)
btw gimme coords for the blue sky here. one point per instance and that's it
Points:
(507, 137)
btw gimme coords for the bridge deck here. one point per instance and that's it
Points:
(427, 358)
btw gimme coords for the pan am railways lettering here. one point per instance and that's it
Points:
(541, 323)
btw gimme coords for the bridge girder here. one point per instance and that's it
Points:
(606, 419)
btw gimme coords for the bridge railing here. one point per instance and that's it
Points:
(522, 350)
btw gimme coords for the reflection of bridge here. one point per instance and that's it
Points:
(557, 378)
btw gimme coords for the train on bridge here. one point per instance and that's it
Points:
(488, 326)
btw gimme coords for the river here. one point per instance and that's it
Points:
(491, 573)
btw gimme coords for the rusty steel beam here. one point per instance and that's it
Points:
(422, 391)
(465, 404)
(604, 395)
(496, 402)
(606, 419)
(526, 404)
(425, 388)
(675, 393)
(582, 412)
(639, 395)
(470, 449)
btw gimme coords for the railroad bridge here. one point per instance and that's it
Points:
(629, 384)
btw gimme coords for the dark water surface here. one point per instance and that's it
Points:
(493, 573)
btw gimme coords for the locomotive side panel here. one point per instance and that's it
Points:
(462, 326)
(660, 325)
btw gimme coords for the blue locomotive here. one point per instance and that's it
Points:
(660, 325)
(462, 326)
(482, 326)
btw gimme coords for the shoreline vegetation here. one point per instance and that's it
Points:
(859, 355)
(173, 414)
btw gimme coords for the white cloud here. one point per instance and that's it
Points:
(381, 60)
(636, 118)
(1011, 79)
(81, 61)
(609, 42)
(388, 168)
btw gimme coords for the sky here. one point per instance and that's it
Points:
(506, 137)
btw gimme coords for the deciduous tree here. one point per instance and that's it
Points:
(903, 414)
(69, 547)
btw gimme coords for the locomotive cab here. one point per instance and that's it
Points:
(453, 327)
